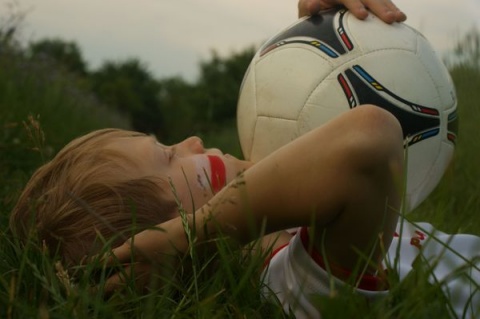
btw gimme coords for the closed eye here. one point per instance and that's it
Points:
(167, 151)
(171, 153)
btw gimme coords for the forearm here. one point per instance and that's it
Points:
(348, 162)
(338, 177)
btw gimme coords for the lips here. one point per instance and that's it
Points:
(218, 176)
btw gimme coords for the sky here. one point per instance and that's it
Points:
(172, 36)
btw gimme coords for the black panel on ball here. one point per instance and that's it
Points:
(319, 27)
(412, 122)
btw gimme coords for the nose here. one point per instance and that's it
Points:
(193, 144)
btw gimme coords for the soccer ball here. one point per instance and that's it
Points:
(327, 64)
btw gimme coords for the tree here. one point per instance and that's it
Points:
(179, 108)
(11, 22)
(219, 84)
(129, 87)
(208, 105)
(467, 50)
(66, 54)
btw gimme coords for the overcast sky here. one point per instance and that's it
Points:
(172, 36)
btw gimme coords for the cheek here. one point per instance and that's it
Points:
(201, 173)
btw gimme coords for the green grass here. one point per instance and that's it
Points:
(454, 206)
(41, 109)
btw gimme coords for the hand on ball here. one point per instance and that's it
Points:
(384, 9)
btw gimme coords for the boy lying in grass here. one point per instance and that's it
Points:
(341, 192)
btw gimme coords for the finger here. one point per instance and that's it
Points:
(386, 10)
(309, 7)
(135, 276)
(398, 15)
(109, 258)
(119, 255)
(122, 253)
(357, 8)
(117, 282)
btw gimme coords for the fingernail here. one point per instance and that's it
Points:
(363, 11)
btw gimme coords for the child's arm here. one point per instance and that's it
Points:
(384, 9)
(340, 178)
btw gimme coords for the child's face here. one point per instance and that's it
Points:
(196, 173)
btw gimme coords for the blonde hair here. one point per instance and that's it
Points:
(85, 195)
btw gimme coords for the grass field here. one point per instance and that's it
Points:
(455, 203)
(40, 110)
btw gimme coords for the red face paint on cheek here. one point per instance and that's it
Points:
(218, 176)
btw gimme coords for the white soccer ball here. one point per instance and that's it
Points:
(327, 64)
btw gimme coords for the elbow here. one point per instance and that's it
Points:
(375, 138)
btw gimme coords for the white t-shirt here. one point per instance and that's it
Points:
(293, 275)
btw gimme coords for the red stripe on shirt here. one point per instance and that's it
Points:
(365, 282)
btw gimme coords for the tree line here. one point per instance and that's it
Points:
(173, 108)
(170, 108)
